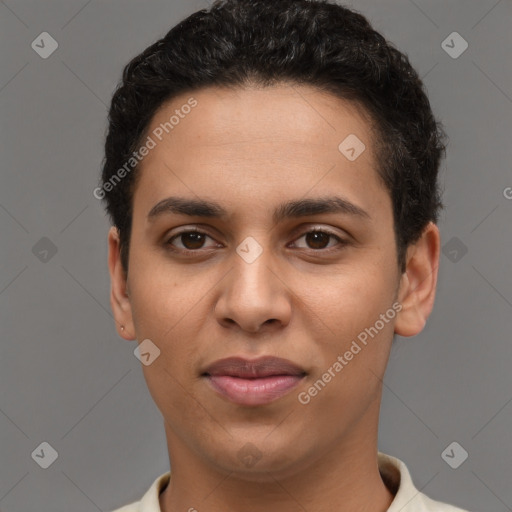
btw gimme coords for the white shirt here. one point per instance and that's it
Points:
(393, 471)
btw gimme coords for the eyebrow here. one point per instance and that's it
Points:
(291, 209)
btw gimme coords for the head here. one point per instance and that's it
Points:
(258, 116)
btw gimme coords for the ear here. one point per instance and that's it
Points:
(418, 283)
(119, 299)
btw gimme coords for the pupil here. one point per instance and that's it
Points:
(196, 239)
(315, 239)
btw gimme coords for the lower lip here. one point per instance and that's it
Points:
(254, 391)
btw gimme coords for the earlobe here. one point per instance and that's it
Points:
(418, 283)
(119, 297)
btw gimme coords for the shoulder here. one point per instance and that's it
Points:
(150, 500)
(408, 498)
(425, 504)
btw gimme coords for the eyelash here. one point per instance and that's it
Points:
(340, 245)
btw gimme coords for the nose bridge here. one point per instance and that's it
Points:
(253, 277)
(253, 293)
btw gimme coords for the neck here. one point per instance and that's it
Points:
(344, 478)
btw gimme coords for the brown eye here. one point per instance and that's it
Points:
(189, 241)
(317, 239)
(192, 240)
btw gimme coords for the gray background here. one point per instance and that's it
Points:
(65, 376)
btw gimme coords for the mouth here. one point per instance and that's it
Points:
(253, 382)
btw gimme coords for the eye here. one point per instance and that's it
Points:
(193, 240)
(190, 240)
(318, 239)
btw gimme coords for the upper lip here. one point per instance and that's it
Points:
(265, 366)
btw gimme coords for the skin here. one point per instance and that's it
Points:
(250, 149)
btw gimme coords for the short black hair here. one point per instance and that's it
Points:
(305, 42)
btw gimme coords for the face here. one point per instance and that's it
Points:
(292, 257)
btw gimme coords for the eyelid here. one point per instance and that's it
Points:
(304, 229)
(341, 241)
(184, 230)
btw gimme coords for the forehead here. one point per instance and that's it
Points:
(258, 143)
(292, 113)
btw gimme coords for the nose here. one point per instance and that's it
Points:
(254, 296)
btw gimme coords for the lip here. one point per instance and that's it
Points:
(253, 382)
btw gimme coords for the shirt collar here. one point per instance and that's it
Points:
(393, 471)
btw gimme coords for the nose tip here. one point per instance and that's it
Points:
(253, 298)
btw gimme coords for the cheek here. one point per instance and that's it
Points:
(348, 300)
(349, 313)
(161, 297)
(354, 355)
